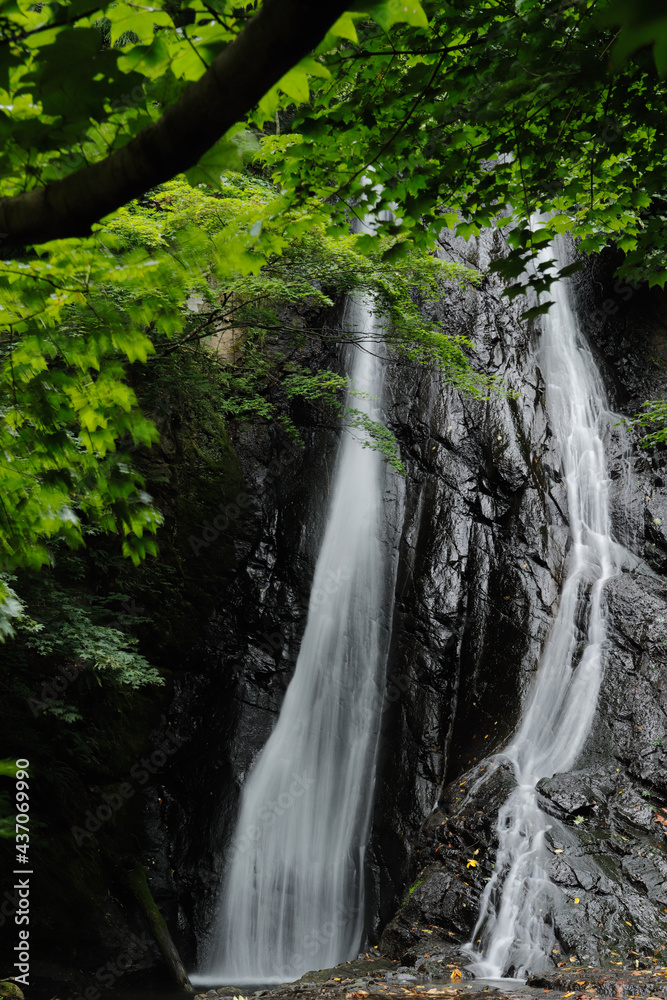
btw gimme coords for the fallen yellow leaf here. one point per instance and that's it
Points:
(576, 899)
(472, 863)
(456, 974)
(558, 850)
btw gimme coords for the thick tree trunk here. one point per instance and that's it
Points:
(273, 41)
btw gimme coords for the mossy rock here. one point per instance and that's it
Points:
(9, 989)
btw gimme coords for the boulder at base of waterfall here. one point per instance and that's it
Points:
(644, 977)
(456, 851)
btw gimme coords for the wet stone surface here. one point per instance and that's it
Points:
(607, 819)
(646, 977)
(375, 977)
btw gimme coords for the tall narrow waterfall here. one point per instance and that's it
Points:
(292, 899)
(515, 921)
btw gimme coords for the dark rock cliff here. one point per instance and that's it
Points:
(608, 816)
(483, 533)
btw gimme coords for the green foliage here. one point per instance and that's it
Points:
(77, 80)
(66, 632)
(652, 422)
(11, 609)
(641, 25)
(7, 821)
(415, 885)
(80, 311)
(70, 675)
(65, 405)
(305, 385)
(8, 768)
(489, 115)
(102, 649)
(375, 436)
(462, 115)
(428, 115)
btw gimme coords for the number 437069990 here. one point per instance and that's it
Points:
(22, 811)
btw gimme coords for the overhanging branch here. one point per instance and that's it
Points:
(271, 43)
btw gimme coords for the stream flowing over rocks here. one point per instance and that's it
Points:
(483, 532)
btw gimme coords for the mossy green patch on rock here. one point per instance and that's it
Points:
(10, 990)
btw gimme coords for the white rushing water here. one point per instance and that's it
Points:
(293, 895)
(514, 929)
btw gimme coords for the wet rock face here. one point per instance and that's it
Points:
(508, 520)
(481, 553)
(483, 534)
(457, 849)
(607, 815)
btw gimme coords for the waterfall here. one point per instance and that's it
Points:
(292, 899)
(514, 931)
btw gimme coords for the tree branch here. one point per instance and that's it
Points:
(271, 43)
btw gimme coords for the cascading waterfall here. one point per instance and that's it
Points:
(292, 899)
(514, 930)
